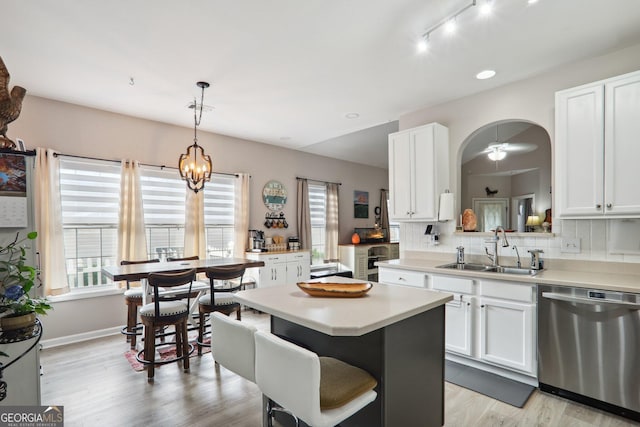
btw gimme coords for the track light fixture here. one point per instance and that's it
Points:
(449, 24)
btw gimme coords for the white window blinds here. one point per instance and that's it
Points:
(219, 199)
(163, 196)
(89, 191)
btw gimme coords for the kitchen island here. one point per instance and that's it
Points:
(394, 333)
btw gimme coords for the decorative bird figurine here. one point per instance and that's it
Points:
(490, 192)
(10, 105)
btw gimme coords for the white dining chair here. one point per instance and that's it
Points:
(321, 391)
(233, 345)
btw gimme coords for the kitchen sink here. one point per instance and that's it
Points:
(468, 267)
(490, 269)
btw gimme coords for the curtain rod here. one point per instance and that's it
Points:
(75, 156)
(319, 180)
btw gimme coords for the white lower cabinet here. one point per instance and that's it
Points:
(506, 333)
(298, 267)
(459, 318)
(490, 321)
(459, 324)
(281, 268)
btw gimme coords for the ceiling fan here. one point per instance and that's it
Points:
(497, 150)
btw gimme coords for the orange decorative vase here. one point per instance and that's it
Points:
(355, 238)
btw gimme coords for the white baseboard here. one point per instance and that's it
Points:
(85, 336)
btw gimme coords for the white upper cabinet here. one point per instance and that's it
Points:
(597, 149)
(418, 172)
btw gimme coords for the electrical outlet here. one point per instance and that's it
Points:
(571, 246)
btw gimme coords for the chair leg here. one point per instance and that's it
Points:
(179, 337)
(149, 350)
(185, 346)
(132, 320)
(238, 314)
(200, 332)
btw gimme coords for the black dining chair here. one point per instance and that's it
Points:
(133, 300)
(167, 309)
(223, 283)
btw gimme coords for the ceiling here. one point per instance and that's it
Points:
(286, 72)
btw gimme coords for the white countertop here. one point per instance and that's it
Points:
(622, 278)
(383, 305)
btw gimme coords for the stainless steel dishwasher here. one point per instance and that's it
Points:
(589, 347)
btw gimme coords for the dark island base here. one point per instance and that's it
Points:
(407, 359)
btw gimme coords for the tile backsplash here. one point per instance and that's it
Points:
(594, 238)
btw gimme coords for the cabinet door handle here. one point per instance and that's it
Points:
(598, 206)
(482, 306)
(609, 205)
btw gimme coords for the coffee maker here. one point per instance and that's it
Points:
(256, 241)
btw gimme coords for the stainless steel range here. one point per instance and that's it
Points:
(589, 347)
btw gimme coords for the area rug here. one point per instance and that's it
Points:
(165, 353)
(503, 389)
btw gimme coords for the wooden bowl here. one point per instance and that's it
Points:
(335, 290)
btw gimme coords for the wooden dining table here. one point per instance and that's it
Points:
(134, 272)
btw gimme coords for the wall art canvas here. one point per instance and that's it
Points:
(360, 204)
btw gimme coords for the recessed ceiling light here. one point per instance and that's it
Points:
(351, 116)
(532, 1)
(485, 74)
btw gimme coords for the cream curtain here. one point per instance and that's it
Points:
(132, 239)
(195, 239)
(304, 214)
(241, 215)
(48, 221)
(331, 231)
(384, 211)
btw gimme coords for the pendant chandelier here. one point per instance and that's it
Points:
(195, 166)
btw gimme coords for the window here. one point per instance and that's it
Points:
(318, 210)
(219, 208)
(163, 198)
(90, 194)
(90, 198)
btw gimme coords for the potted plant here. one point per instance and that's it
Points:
(18, 307)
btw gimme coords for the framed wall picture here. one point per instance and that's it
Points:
(360, 204)
(13, 191)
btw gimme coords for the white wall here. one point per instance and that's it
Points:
(73, 129)
(528, 100)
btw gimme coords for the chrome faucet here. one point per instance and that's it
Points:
(460, 255)
(494, 241)
(515, 248)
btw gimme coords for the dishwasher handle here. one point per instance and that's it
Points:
(581, 300)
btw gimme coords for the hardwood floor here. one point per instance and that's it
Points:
(97, 387)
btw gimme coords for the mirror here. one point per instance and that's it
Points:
(506, 175)
(274, 195)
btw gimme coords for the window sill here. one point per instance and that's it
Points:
(79, 295)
